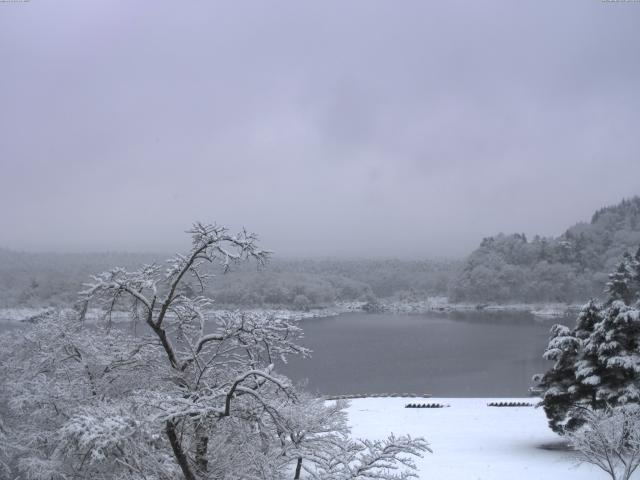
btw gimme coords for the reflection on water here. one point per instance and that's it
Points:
(463, 354)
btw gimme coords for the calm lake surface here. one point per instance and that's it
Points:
(455, 355)
(445, 355)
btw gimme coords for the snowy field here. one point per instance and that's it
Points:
(471, 441)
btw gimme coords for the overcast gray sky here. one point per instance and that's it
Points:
(369, 128)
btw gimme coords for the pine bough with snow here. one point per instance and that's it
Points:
(195, 397)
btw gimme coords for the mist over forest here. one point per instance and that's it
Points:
(505, 268)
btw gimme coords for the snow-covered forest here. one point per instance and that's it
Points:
(505, 268)
(41, 279)
(569, 268)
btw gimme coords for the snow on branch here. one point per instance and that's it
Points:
(388, 459)
(610, 439)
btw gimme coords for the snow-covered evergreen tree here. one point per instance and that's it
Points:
(614, 347)
(558, 383)
(597, 363)
(621, 284)
(586, 367)
(635, 268)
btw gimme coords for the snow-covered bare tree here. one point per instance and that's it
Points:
(323, 450)
(610, 439)
(194, 395)
(313, 426)
(220, 369)
(71, 403)
(388, 459)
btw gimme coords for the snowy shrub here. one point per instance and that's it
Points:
(610, 439)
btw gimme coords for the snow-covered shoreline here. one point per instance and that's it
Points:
(436, 304)
(472, 441)
(441, 304)
(27, 314)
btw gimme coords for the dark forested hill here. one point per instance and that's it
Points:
(571, 267)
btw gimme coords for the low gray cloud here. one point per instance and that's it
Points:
(363, 128)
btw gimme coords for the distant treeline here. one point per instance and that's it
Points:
(505, 268)
(572, 267)
(51, 279)
(310, 283)
(45, 279)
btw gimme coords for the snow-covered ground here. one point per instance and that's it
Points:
(472, 441)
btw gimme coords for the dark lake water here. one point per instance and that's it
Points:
(456, 355)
